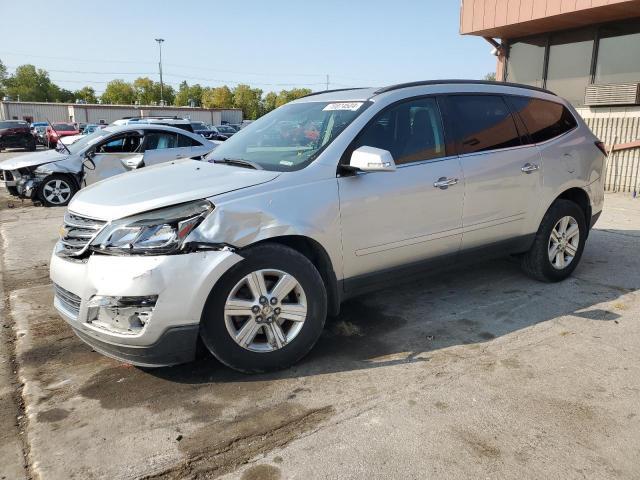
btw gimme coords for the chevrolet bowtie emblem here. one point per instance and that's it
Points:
(63, 232)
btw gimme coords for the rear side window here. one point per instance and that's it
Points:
(412, 131)
(481, 123)
(184, 141)
(544, 120)
(160, 140)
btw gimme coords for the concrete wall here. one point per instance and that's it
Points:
(617, 126)
(109, 113)
(512, 18)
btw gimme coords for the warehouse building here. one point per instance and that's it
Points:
(587, 51)
(90, 113)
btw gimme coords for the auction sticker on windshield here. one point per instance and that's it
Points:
(352, 106)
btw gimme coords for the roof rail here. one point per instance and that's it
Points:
(164, 117)
(331, 91)
(458, 82)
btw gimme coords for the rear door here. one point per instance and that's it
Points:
(502, 173)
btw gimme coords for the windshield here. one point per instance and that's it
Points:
(290, 137)
(199, 126)
(225, 129)
(88, 140)
(63, 127)
(14, 124)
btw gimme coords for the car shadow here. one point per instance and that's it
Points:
(408, 322)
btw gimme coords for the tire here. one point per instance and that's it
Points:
(13, 191)
(56, 190)
(31, 145)
(51, 145)
(262, 352)
(537, 262)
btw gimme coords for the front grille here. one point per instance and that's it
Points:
(67, 300)
(78, 233)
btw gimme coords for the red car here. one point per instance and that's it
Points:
(59, 130)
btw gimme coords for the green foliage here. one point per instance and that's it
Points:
(119, 92)
(249, 100)
(3, 77)
(86, 94)
(490, 76)
(31, 85)
(188, 94)
(219, 97)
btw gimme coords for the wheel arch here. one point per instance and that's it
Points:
(580, 197)
(319, 257)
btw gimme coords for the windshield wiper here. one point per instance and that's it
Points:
(239, 162)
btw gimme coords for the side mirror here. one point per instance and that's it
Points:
(371, 159)
(134, 162)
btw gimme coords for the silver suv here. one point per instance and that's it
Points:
(322, 199)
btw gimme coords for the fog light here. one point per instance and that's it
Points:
(125, 315)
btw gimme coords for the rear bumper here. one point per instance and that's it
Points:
(177, 345)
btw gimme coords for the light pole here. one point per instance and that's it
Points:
(160, 40)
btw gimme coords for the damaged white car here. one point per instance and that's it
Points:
(54, 176)
(322, 199)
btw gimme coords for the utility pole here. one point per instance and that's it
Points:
(160, 40)
(327, 82)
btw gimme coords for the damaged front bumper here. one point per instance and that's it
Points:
(143, 310)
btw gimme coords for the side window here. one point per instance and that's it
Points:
(129, 143)
(481, 123)
(412, 131)
(544, 120)
(160, 140)
(184, 141)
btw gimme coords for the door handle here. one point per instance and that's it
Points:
(530, 167)
(443, 183)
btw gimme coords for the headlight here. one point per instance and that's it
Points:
(158, 232)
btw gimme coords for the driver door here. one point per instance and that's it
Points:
(118, 154)
(392, 219)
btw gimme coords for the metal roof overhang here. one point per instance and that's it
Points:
(565, 21)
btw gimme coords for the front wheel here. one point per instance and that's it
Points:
(559, 243)
(56, 190)
(266, 312)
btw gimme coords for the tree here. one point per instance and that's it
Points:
(249, 100)
(86, 94)
(147, 91)
(3, 78)
(490, 77)
(219, 97)
(29, 84)
(286, 96)
(64, 95)
(270, 102)
(119, 92)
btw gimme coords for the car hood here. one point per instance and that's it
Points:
(162, 185)
(32, 160)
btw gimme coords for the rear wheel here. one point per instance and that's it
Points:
(56, 190)
(559, 243)
(266, 312)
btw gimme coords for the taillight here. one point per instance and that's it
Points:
(602, 147)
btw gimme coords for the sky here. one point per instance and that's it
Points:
(272, 45)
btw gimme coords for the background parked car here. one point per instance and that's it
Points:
(16, 134)
(177, 122)
(208, 131)
(58, 131)
(88, 129)
(39, 133)
(53, 177)
(226, 130)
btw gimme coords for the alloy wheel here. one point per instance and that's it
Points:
(564, 242)
(265, 310)
(56, 191)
